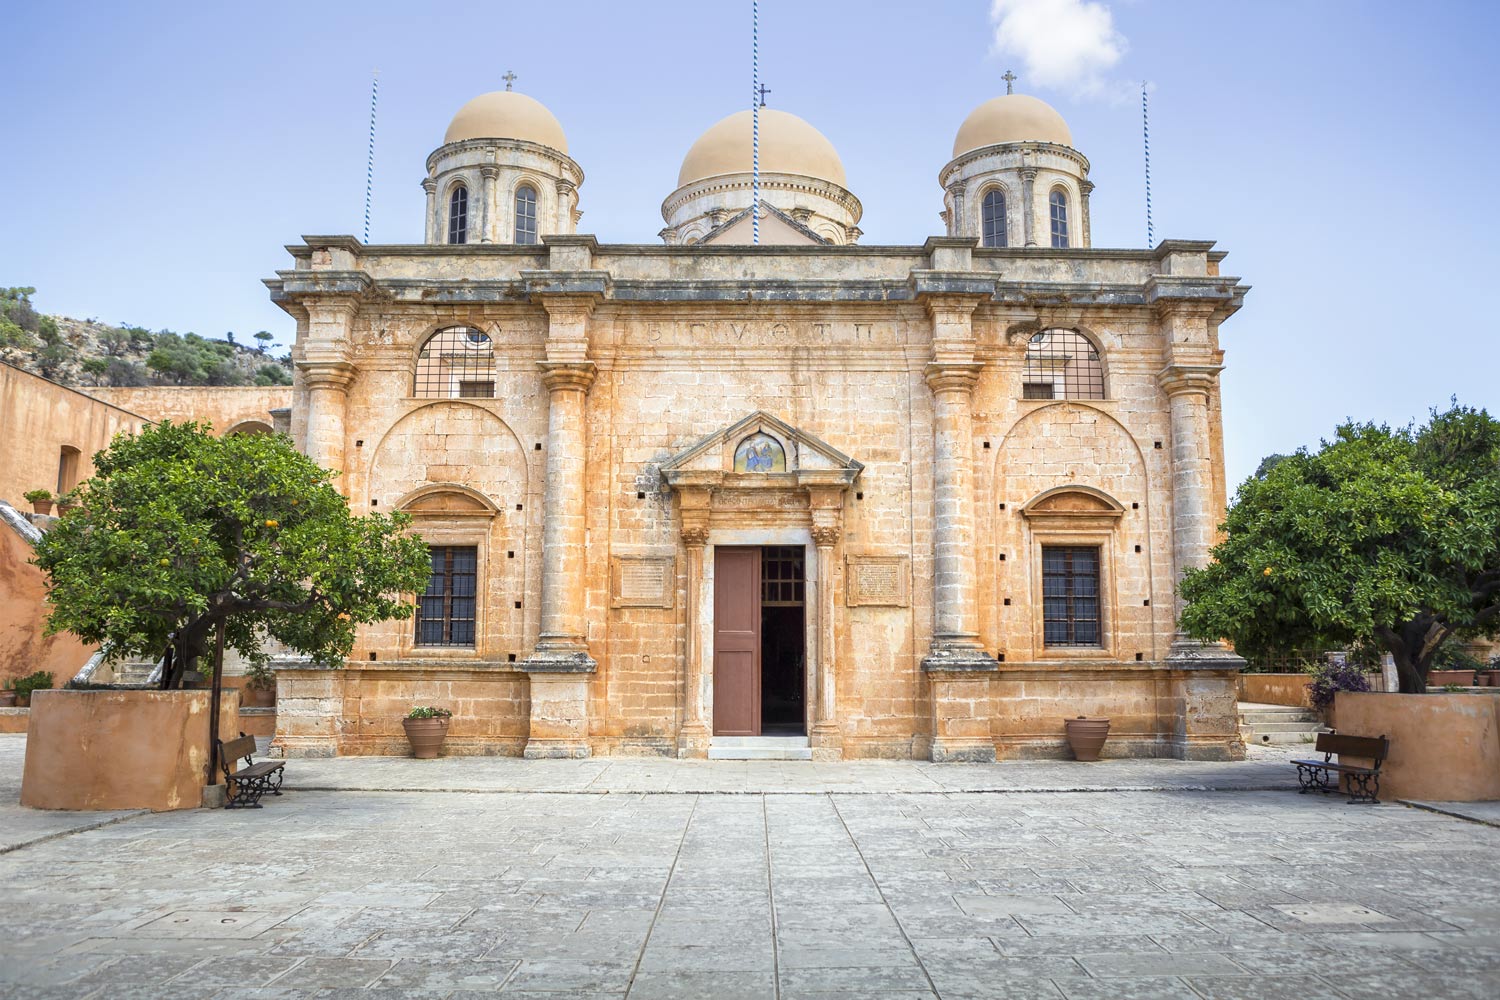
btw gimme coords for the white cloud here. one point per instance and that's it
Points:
(1067, 45)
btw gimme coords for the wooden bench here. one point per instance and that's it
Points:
(247, 784)
(1362, 783)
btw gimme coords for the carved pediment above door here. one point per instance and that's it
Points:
(757, 452)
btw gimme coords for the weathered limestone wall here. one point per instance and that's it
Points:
(39, 418)
(227, 408)
(1444, 747)
(664, 347)
(23, 616)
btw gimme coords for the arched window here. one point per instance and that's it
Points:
(1062, 364)
(457, 362)
(992, 213)
(458, 215)
(1059, 204)
(526, 214)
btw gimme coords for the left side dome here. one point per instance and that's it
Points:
(505, 114)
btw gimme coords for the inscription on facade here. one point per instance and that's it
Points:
(642, 581)
(758, 333)
(878, 581)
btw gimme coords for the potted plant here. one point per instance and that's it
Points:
(1086, 736)
(66, 502)
(426, 729)
(40, 500)
(40, 680)
(8, 695)
(260, 686)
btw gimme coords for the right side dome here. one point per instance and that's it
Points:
(1015, 179)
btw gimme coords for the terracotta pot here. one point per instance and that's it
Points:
(426, 736)
(253, 697)
(1463, 678)
(7, 699)
(41, 506)
(1086, 736)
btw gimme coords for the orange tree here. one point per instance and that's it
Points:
(180, 533)
(1382, 537)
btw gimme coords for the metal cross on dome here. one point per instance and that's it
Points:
(509, 79)
(764, 90)
(1009, 78)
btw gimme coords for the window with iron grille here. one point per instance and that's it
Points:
(782, 580)
(1062, 364)
(456, 362)
(458, 215)
(1070, 596)
(992, 217)
(525, 214)
(1059, 204)
(445, 611)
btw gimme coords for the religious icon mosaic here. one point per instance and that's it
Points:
(759, 453)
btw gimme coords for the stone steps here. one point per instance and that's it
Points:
(1265, 724)
(759, 748)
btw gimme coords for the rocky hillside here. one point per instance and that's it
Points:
(90, 353)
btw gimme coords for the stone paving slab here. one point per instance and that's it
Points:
(931, 893)
(20, 827)
(1476, 812)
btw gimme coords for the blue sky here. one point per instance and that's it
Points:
(158, 156)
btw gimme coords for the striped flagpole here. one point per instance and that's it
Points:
(1146, 141)
(755, 122)
(370, 159)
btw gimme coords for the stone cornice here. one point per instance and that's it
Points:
(835, 193)
(563, 160)
(1000, 149)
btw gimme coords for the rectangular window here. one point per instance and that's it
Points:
(1070, 596)
(476, 390)
(445, 611)
(1037, 390)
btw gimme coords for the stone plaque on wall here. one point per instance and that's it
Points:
(642, 581)
(878, 581)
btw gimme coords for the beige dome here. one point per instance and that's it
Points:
(505, 114)
(1011, 118)
(788, 145)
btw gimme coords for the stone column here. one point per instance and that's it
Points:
(565, 191)
(826, 738)
(693, 738)
(1193, 519)
(487, 175)
(1085, 188)
(327, 395)
(1028, 204)
(956, 664)
(434, 232)
(956, 222)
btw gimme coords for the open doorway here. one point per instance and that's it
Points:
(783, 627)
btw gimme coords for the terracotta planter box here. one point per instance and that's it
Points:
(1444, 747)
(1437, 678)
(121, 749)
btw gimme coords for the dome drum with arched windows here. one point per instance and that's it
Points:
(802, 185)
(502, 175)
(1015, 179)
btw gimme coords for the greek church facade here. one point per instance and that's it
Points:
(761, 489)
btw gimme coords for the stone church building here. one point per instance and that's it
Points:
(758, 489)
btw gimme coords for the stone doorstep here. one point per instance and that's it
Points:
(759, 748)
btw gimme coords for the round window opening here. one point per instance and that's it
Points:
(477, 339)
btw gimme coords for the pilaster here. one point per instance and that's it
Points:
(827, 530)
(487, 175)
(693, 738)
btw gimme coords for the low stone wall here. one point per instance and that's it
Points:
(120, 749)
(14, 720)
(1275, 689)
(358, 711)
(1444, 747)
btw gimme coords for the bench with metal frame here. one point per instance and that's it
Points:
(249, 783)
(1362, 783)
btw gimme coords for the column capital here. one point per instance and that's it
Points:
(429, 184)
(566, 187)
(338, 375)
(695, 534)
(1179, 379)
(489, 171)
(575, 376)
(568, 307)
(826, 535)
(951, 376)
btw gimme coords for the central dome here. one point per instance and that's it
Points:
(1011, 118)
(505, 114)
(788, 145)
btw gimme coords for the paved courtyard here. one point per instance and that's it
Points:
(801, 893)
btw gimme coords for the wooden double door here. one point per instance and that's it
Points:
(760, 668)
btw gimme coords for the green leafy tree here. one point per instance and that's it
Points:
(180, 531)
(272, 375)
(1382, 537)
(265, 338)
(19, 322)
(189, 359)
(95, 368)
(127, 373)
